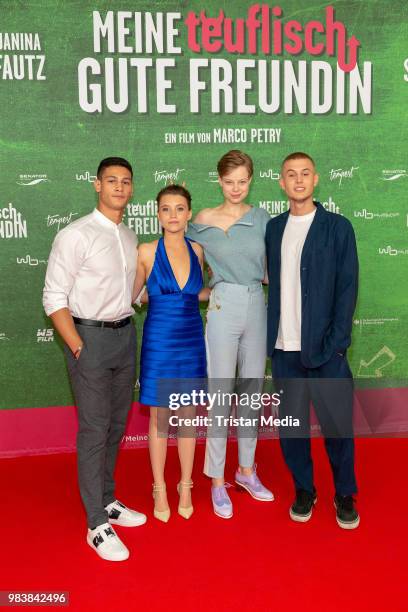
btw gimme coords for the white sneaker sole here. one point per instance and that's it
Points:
(129, 522)
(352, 525)
(106, 557)
(240, 484)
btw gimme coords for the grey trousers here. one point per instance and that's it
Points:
(102, 380)
(235, 336)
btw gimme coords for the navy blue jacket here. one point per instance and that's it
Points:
(329, 281)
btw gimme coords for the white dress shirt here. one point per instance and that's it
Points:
(290, 323)
(91, 269)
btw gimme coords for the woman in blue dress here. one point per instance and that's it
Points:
(173, 346)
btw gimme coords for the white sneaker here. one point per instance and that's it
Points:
(104, 540)
(121, 515)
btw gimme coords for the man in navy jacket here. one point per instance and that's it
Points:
(313, 278)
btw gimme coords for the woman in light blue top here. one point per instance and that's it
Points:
(232, 235)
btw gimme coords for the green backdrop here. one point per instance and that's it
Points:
(50, 148)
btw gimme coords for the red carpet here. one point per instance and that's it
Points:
(259, 560)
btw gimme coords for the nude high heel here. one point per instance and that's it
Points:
(185, 512)
(161, 515)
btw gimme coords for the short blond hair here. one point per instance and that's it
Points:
(233, 159)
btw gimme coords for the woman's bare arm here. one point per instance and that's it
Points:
(204, 294)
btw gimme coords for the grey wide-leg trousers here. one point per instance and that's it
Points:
(235, 336)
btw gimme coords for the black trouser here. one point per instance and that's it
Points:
(102, 379)
(330, 388)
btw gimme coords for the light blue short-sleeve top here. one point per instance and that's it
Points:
(237, 255)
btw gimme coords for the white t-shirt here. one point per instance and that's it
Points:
(294, 236)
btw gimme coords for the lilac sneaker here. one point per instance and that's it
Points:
(221, 502)
(254, 486)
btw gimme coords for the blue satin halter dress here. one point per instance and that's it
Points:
(173, 345)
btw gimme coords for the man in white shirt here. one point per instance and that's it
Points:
(313, 278)
(88, 295)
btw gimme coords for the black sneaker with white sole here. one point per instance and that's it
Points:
(346, 514)
(302, 508)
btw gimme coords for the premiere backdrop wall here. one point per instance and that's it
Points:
(172, 86)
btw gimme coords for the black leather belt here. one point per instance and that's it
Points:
(91, 323)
